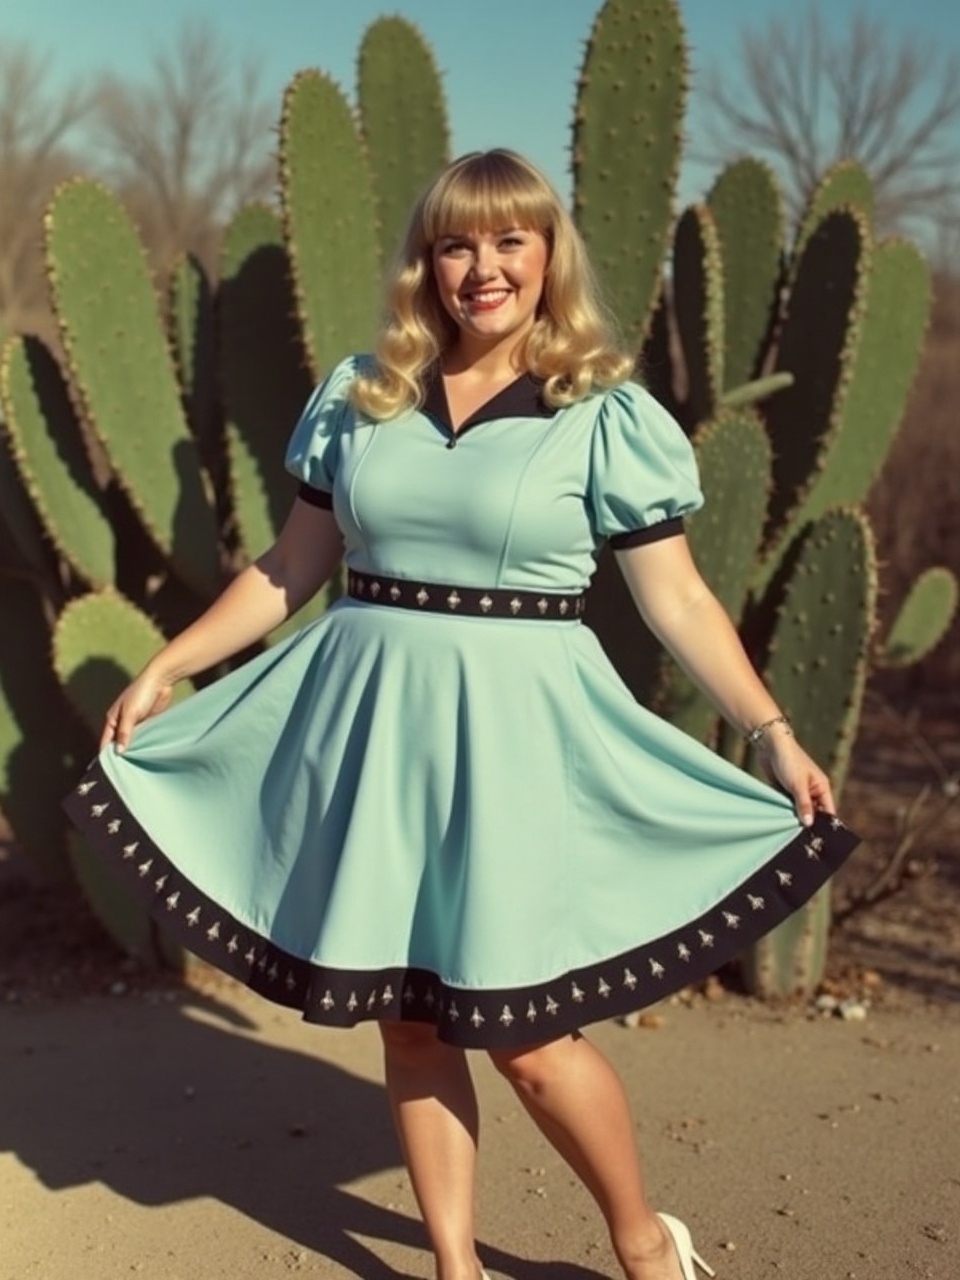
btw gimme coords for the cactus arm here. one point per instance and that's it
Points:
(923, 620)
(120, 367)
(329, 221)
(403, 119)
(48, 451)
(698, 305)
(626, 149)
(845, 184)
(264, 372)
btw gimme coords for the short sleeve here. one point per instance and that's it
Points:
(643, 473)
(313, 453)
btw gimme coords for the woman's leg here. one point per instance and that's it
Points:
(577, 1101)
(435, 1112)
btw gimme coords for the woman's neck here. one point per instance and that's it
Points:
(497, 363)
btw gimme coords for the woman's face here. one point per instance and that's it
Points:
(491, 282)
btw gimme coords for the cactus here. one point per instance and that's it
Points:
(817, 345)
(329, 221)
(41, 749)
(263, 372)
(748, 214)
(25, 545)
(121, 368)
(626, 149)
(698, 293)
(817, 672)
(923, 620)
(100, 642)
(48, 451)
(845, 184)
(733, 455)
(402, 119)
(192, 330)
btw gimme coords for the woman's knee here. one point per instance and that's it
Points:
(531, 1067)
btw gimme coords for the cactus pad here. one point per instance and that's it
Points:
(403, 120)
(698, 290)
(923, 620)
(748, 213)
(100, 642)
(626, 149)
(120, 365)
(329, 221)
(47, 447)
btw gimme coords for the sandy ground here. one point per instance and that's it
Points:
(190, 1134)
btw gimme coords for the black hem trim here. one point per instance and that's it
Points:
(315, 497)
(669, 528)
(469, 1018)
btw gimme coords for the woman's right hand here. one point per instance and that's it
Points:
(146, 696)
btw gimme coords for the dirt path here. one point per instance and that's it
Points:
(192, 1135)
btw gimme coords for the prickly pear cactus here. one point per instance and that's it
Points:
(121, 368)
(329, 221)
(748, 213)
(698, 303)
(626, 149)
(923, 620)
(47, 448)
(403, 120)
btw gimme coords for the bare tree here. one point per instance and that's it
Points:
(187, 148)
(36, 126)
(805, 97)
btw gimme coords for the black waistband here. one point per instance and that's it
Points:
(480, 602)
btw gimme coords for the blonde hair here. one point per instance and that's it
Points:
(573, 344)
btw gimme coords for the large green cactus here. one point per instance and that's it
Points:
(48, 451)
(329, 221)
(403, 121)
(626, 149)
(121, 368)
(748, 214)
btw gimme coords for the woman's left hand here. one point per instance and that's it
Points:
(786, 762)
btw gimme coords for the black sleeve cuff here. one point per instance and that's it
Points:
(653, 533)
(315, 497)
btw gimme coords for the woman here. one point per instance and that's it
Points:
(438, 806)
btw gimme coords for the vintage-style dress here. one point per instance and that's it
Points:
(439, 801)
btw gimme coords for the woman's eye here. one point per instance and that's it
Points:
(453, 248)
(512, 242)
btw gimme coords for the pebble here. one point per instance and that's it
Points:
(853, 1010)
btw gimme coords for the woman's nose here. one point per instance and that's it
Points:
(484, 263)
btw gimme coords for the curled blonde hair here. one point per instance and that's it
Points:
(573, 344)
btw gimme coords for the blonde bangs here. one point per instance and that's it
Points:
(487, 191)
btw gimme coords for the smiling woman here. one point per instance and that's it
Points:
(437, 806)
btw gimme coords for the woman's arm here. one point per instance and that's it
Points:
(690, 622)
(305, 554)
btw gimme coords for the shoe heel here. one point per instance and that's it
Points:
(707, 1270)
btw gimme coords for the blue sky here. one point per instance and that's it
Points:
(509, 65)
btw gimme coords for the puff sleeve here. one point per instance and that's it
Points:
(643, 474)
(313, 453)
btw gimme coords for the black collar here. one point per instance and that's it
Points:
(521, 398)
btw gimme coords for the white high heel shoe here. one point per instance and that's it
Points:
(680, 1235)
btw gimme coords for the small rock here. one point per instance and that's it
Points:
(729, 1246)
(189, 1091)
(826, 1003)
(853, 1011)
(118, 988)
(650, 1021)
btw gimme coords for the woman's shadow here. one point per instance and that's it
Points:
(181, 1101)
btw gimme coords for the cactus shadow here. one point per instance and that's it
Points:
(175, 1101)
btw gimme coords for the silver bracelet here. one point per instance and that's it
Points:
(755, 735)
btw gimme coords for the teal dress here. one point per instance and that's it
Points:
(456, 818)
